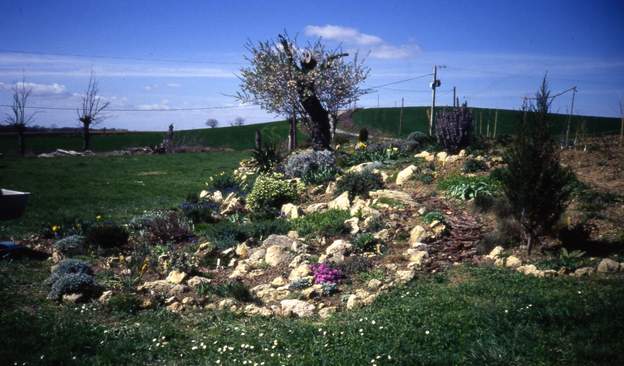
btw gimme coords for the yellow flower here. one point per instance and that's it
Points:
(98, 217)
(55, 228)
(360, 146)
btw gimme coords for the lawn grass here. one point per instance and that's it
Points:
(416, 119)
(114, 187)
(231, 137)
(467, 316)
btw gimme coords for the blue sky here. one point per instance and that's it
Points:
(186, 54)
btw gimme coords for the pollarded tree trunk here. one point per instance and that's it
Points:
(87, 137)
(20, 141)
(320, 130)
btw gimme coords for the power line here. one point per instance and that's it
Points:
(400, 81)
(123, 57)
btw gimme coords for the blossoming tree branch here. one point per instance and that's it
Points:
(312, 83)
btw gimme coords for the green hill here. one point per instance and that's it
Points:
(386, 120)
(238, 138)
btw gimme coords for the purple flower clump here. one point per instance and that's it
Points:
(325, 274)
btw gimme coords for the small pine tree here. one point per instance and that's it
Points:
(535, 183)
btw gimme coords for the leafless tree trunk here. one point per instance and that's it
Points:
(18, 118)
(90, 111)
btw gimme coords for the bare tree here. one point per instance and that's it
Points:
(238, 121)
(309, 83)
(18, 118)
(90, 111)
(212, 122)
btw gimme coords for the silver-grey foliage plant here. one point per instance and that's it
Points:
(300, 163)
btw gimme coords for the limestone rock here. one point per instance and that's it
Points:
(383, 234)
(196, 281)
(316, 207)
(371, 165)
(175, 307)
(290, 211)
(352, 225)
(425, 155)
(326, 312)
(300, 308)
(417, 234)
(341, 202)
(353, 302)
(442, 156)
(303, 270)
(400, 196)
(242, 250)
(176, 277)
(583, 271)
(608, 265)
(405, 276)
(158, 286)
(331, 188)
(105, 297)
(73, 298)
(495, 253)
(338, 247)
(240, 271)
(279, 282)
(513, 262)
(529, 270)
(374, 284)
(415, 256)
(406, 174)
(279, 240)
(276, 255)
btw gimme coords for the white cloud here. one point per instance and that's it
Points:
(376, 45)
(150, 87)
(174, 85)
(342, 34)
(38, 89)
(390, 52)
(164, 104)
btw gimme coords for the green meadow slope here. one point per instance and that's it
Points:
(387, 120)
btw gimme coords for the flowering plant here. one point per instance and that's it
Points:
(325, 274)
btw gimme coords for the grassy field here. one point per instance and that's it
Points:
(114, 187)
(468, 316)
(416, 119)
(232, 137)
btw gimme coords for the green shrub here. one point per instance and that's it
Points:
(329, 223)
(124, 303)
(161, 227)
(225, 234)
(354, 265)
(465, 188)
(69, 266)
(71, 245)
(232, 288)
(270, 192)
(73, 283)
(359, 183)
(107, 235)
(365, 242)
(266, 157)
(473, 166)
(432, 216)
(223, 182)
(319, 175)
(426, 178)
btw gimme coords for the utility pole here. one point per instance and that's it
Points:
(454, 96)
(401, 118)
(495, 122)
(567, 136)
(434, 84)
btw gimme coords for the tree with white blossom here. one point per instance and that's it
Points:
(312, 83)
